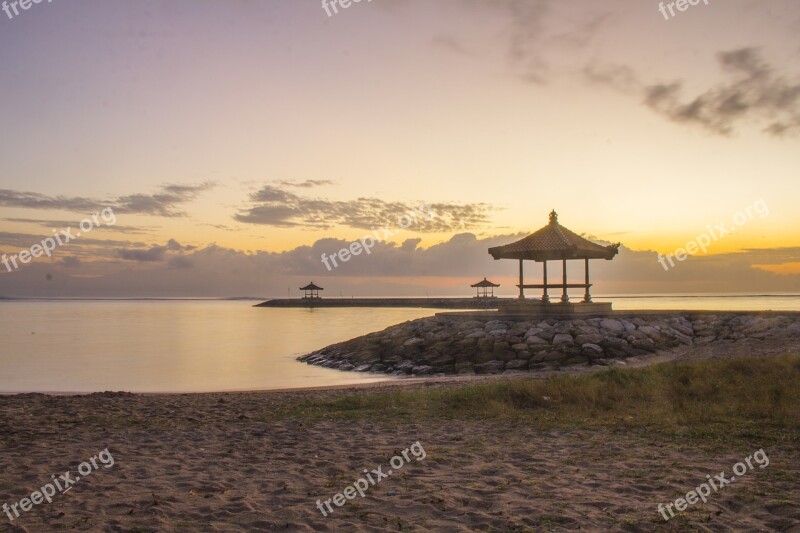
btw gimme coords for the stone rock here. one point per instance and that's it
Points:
(363, 368)
(462, 365)
(517, 364)
(486, 344)
(592, 349)
(501, 346)
(522, 347)
(414, 341)
(405, 367)
(546, 356)
(612, 324)
(651, 331)
(590, 338)
(563, 338)
(423, 370)
(794, 329)
(492, 367)
(483, 357)
(533, 340)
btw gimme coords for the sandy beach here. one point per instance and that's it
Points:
(260, 461)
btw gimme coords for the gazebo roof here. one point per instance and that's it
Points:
(552, 242)
(311, 287)
(485, 283)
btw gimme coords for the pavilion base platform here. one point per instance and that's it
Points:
(538, 309)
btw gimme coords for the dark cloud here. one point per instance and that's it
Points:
(32, 200)
(71, 262)
(154, 254)
(307, 184)
(150, 255)
(754, 92)
(63, 224)
(164, 203)
(278, 207)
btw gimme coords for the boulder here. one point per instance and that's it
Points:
(592, 349)
(612, 325)
(492, 367)
(563, 338)
(517, 364)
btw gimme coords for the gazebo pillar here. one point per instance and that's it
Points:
(545, 296)
(521, 290)
(588, 297)
(564, 295)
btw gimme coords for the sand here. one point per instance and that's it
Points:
(214, 462)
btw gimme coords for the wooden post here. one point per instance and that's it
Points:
(521, 290)
(565, 296)
(545, 296)
(588, 297)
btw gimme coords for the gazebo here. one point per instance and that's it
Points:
(554, 242)
(483, 288)
(311, 291)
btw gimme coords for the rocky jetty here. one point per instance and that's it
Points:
(471, 345)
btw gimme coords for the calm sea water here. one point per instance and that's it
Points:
(203, 346)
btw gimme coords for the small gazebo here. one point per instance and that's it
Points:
(311, 291)
(483, 288)
(554, 242)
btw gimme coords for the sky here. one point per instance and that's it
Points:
(237, 141)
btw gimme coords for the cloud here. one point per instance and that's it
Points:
(62, 224)
(154, 254)
(274, 206)
(451, 44)
(307, 184)
(71, 262)
(537, 30)
(754, 92)
(164, 203)
(390, 269)
(32, 200)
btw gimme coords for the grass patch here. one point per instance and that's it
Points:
(714, 399)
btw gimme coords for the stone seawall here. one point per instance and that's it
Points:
(487, 345)
(429, 303)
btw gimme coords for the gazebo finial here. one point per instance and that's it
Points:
(553, 217)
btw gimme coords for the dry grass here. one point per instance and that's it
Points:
(713, 399)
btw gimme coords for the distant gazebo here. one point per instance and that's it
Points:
(554, 242)
(311, 291)
(483, 288)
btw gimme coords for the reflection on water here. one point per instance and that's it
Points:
(175, 346)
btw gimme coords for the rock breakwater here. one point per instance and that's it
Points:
(467, 345)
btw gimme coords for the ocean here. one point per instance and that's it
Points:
(148, 346)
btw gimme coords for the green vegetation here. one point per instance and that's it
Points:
(713, 399)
